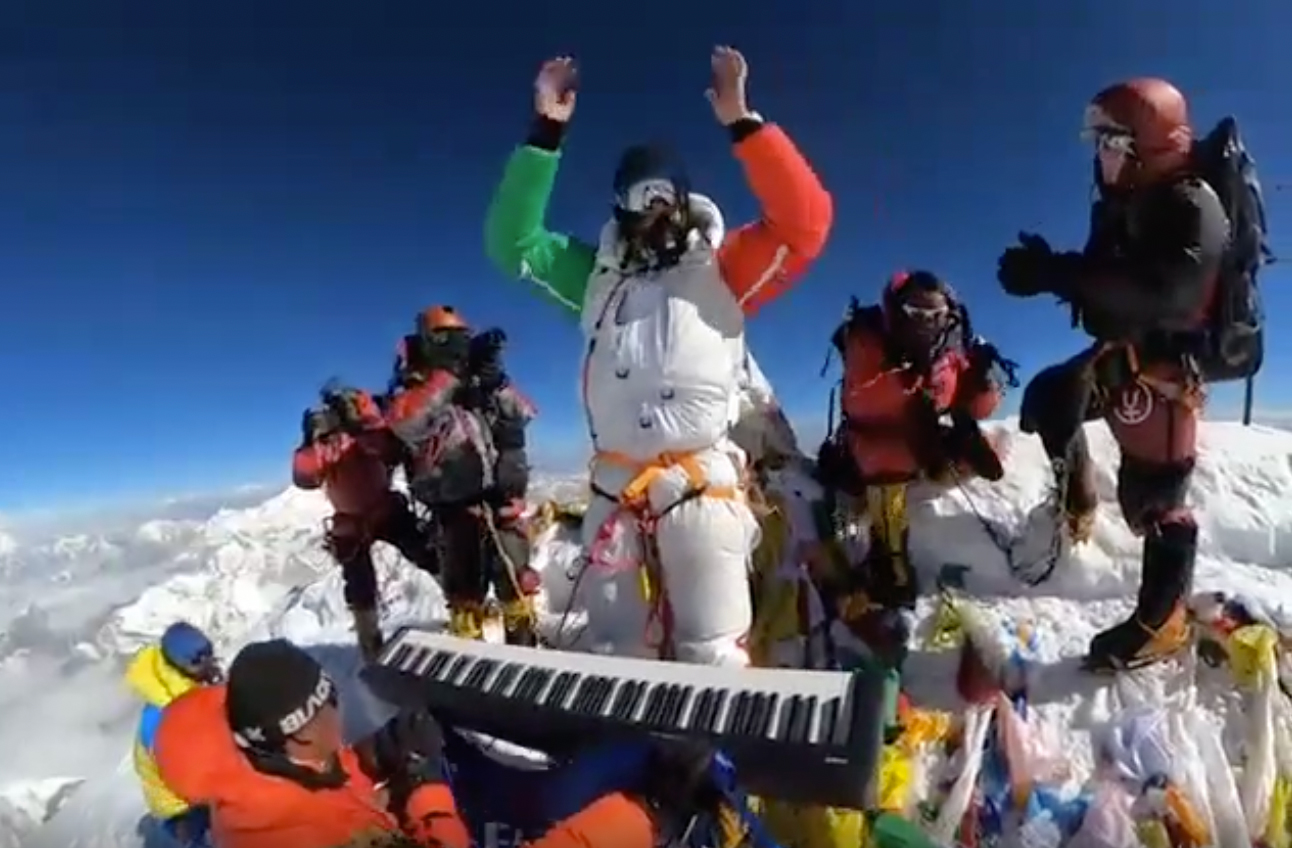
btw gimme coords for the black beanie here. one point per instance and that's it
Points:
(274, 690)
(650, 161)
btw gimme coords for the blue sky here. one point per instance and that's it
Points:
(209, 208)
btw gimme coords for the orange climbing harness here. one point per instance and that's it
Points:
(634, 503)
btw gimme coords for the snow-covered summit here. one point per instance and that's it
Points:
(259, 570)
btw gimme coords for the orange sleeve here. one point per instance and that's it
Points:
(613, 821)
(311, 463)
(308, 468)
(977, 394)
(759, 261)
(434, 818)
(194, 749)
(982, 404)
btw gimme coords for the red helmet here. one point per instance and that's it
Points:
(1153, 113)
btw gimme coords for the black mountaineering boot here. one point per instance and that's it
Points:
(1159, 627)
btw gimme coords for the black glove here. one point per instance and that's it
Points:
(409, 752)
(1034, 268)
(487, 342)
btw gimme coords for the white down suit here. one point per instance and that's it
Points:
(663, 368)
(662, 371)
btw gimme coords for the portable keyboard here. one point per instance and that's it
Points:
(796, 735)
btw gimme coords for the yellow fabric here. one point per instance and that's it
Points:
(886, 507)
(812, 826)
(466, 621)
(1152, 834)
(150, 677)
(1251, 651)
(1276, 828)
(518, 613)
(776, 595)
(154, 680)
(160, 800)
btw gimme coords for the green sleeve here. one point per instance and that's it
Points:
(516, 239)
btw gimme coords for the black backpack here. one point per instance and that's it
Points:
(1233, 343)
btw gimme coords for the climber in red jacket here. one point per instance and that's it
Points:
(347, 449)
(916, 384)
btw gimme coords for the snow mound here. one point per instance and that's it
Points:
(259, 571)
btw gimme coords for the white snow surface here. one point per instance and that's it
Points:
(76, 607)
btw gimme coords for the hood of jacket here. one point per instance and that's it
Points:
(152, 678)
(710, 230)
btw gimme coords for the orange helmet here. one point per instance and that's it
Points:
(440, 318)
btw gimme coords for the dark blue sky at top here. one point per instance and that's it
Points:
(209, 208)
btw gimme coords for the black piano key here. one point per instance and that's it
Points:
(760, 719)
(457, 669)
(800, 732)
(792, 719)
(561, 689)
(678, 697)
(627, 699)
(419, 664)
(703, 706)
(800, 719)
(654, 709)
(829, 721)
(592, 694)
(735, 720)
(531, 684)
(720, 699)
(600, 697)
(401, 654)
(438, 664)
(479, 674)
(505, 677)
(583, 698)
(841, 736)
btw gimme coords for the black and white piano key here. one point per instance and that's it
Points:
(759, 703)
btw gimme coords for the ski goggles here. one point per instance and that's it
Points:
(645, 195)
(925, 313)
(1106, 134)
(1119, 143)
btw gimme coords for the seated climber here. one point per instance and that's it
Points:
(264, 752)
(463, 427)
(347, 449)
(916, 384)
(182, 660)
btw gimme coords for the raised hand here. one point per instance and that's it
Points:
(555, 89)
(727, 89)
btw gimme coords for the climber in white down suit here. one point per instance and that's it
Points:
(663, 300)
